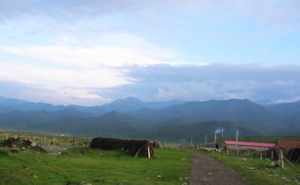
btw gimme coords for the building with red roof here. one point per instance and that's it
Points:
(245, 145)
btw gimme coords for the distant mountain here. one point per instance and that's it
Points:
(131, 117)
(288, 114)
(285, 108)
(8, 104)
(224, 110)
(124, 105)
(197, 131)
(131, 104)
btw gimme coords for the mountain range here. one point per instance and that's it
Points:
(169, 120)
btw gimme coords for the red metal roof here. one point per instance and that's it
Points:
(251, 144)
(288, 144)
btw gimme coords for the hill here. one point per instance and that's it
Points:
(172, 120)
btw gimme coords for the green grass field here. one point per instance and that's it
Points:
(260, 172)
(85, 166)
(82, 166)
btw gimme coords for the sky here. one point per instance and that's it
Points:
(93, 52)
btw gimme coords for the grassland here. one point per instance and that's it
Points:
(78, 165)
(260, 172)
(85, 166)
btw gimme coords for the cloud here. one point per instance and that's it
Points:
(260, 83)
(58, 85)
(268, 11)
(72, 68)
(67, 8)
(86, 52)
(59, 77)
(34, 93)
(87, 57)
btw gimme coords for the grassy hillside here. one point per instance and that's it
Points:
(84, 166)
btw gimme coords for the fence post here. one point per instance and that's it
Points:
(281, 158)
(148, 150)
(260, 154)
(272, 155)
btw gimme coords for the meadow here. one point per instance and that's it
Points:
(70, 162)
(260, 172)
(82, 166)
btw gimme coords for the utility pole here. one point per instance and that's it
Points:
(237, 134)
(215, 137)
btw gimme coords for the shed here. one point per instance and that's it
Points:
(291, 147)
(133, 147)
(245, 145)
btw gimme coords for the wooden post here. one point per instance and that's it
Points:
(272, 155)
(260, 154)
(148, 150)
(281, 157)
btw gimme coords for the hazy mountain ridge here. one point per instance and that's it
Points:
(132, 117)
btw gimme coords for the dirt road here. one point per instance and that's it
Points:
(208, 171)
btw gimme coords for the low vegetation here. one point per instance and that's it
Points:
(83, 166)
(68, 161)
(261, 172)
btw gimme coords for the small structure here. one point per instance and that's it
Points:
(291, 149)
(244, 145)
(263, 149)
(133, 147)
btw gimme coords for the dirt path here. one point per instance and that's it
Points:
(208, 171)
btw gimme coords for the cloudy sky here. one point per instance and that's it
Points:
(92, 52)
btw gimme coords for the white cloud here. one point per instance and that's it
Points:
(49, 77)
(159, 82)
(80, 64)
(205, 90)
(73, 67)
(86, 57)
(65, 96)
(65, 51)
(62, 85)
(255, 82)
